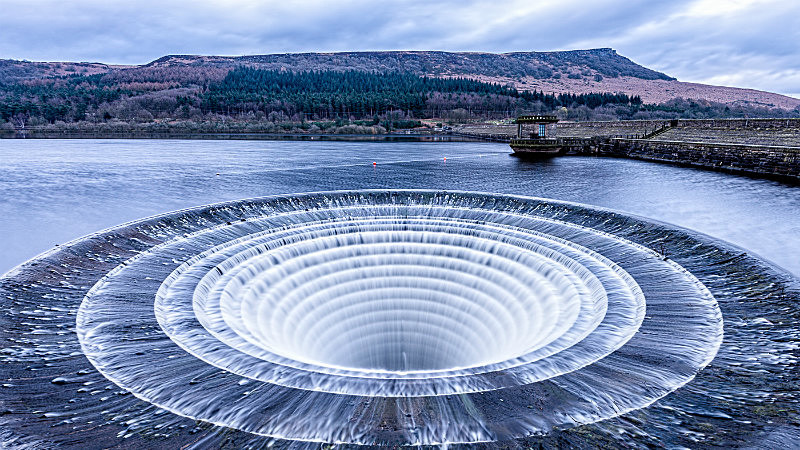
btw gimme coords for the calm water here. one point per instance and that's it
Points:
(52, 191)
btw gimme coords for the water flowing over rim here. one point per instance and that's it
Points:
(331, 383)
(513, 407)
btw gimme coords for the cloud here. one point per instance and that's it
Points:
(748, 43)
(745, 43)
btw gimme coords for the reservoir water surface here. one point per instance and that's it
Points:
(52, 191)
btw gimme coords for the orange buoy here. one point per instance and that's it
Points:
(445, 159)
(374, 163)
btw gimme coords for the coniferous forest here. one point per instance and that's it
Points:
(365, 95)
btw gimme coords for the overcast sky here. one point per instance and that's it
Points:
(744, 43)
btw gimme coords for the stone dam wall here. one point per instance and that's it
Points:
(777, 162)
(760, 147)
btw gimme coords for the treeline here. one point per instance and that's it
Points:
(208, 95)
(50, 100)
(591, 100)
(254, 94)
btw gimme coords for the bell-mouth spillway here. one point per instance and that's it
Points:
(392, 317)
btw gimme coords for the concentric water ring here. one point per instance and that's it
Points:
(336, 301)
(461, 278)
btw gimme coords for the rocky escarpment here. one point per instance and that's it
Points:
(575, 64)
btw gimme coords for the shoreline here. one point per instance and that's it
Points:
(387, 137)
(773, 162)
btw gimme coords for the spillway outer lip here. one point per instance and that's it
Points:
(545, 201)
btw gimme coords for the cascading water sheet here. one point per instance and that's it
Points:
(386, 318)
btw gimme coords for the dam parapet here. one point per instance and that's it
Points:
(632, 129)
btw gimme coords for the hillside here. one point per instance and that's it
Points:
(653, 91)
(576, 71)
